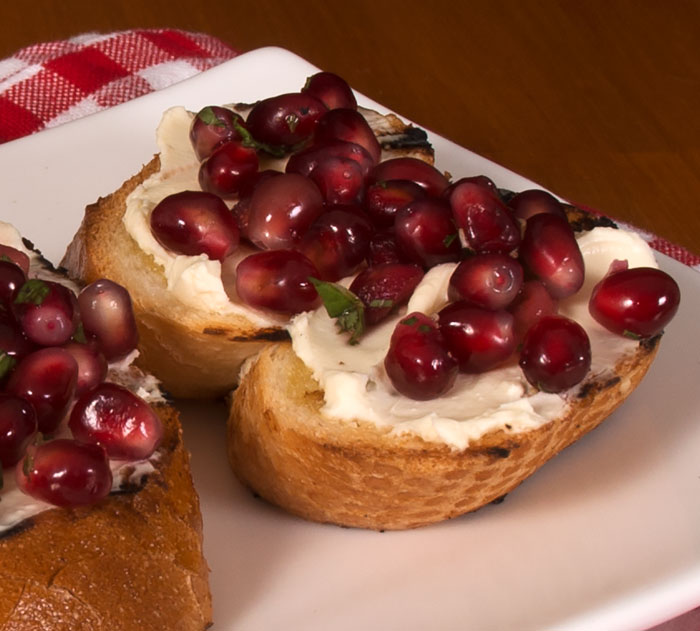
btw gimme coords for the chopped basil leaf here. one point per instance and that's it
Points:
(33, 291)
(341, 304)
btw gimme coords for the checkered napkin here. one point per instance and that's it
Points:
(48, 84)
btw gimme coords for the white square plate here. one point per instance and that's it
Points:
(606, 536)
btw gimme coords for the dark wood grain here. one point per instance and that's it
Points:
(596, 100)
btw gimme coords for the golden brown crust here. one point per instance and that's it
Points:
(357, 474)
(130, 563)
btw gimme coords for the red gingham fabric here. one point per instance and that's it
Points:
(52, 83)
(48, 84)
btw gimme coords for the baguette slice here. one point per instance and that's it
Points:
(132, 562)
(355, 473)
(196, 353)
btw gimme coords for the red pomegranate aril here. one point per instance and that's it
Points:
(275, 279)
(384, 288)
(532, 303)
(108, 317)
(306, 160)
(229, 170)
(333, 91)
(193, 223)
(549, 251)
(637, 302)
(480, 339)
(417, 362)
(65, 472)
(425, 175)
(116, 419)
(340, 180)
(336, 243)
(12, 277)
(484, 219)
(281, 210)
(47, 379)
(285, 120)
(15, 256)
(556, 354)
(17, 427)
(481, 180)
(384, 199)
(14, 342)
(534, 201)
(384, 249)
(349, 125)
(46, 312)
(92, 366)
(489, 280)
(426, 233)
(211, 126)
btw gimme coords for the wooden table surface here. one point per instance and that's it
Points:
(596, 100)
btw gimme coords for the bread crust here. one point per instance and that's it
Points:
(132, 562)
(360, 475)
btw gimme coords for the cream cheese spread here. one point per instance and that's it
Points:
(356, 387)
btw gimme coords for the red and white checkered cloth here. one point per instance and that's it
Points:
(48, 84)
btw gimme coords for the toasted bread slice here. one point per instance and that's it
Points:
(359, 474)
(194, 352)
(131, 562)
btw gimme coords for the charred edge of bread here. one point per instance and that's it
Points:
(131, 562)
(359, 475)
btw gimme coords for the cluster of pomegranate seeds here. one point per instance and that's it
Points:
(337, 210)
(54, 353)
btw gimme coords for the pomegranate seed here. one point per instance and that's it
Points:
(550, 251)
(340, 180)
(481, 180)
(489, 280)
(336, 243)
(333, 91)
(276, 279)
(47, 379)
(116, 419)
(13, 342)
(417, 362)
(425, 175)
(532, 303)
(12, 277)
(286, 119)
(193, 223)
(384, 288)
(15, 256)
(349, 125)
(92, 366)
(533, 201)
(384, 249)
(17, 427)
(64, 472)
(484, 219)
(384, 199)
(480, 339)
(305, 161)
(229, 170)
(556, 354)
(211, 126)
(637, 302)
(108, 317)
(426, 233)
(46, 312)
(281, 210)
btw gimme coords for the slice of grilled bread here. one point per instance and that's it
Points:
(132, 562)
(194, 352)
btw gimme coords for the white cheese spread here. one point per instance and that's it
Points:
(356, 386)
